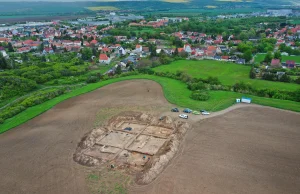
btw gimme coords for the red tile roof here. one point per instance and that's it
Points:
(290, 62)
(103, 57)
(105, 49)
(225, 57)
(275, 62)
(94, 42)
(28, 41)
(180, 50)
(211, 48)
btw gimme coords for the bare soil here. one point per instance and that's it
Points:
(250, 149)
(37, 157)
(143, 148)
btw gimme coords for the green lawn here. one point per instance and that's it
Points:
(297, 21)
(175, 92)
(260, 58)
(144, 29)
(101, 69)
(228, 73)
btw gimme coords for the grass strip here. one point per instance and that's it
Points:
(175, 92)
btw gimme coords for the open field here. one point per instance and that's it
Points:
(211, 7)
(102, 8)
(248, 150)
(144, 29)
(295, 21)
(205, 11)
(227, 73)
(260, 58)
(175, 92)
(244, 151)
(46, 144)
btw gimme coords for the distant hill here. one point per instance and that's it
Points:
(79, 7)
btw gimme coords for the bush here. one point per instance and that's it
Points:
(129, 73)
(13, 85)
(185, 77)
(146, 71)
(269, 76)
(285, 78)
(297, 81)
(92, 79)
(242, 87)
(155, 64)
(280, 95)
(196, 86)
(213, 81)
(32, 100)
(297, 95)
(200, 95)
(252, 73)
(219, 87)
(1, 121)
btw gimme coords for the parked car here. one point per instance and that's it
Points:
(128, 128)
(187, 110)
(202, 110)
(196, 113)
(205, 113)
(183, 116)
(174, 110)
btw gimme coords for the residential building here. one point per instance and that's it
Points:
(103, 58)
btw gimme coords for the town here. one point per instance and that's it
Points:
(155, 38)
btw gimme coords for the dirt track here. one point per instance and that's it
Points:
(248, 150)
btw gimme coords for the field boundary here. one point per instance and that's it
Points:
(34, 111)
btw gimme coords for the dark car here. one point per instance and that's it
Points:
(187, 110)
(128, 129)
(174, 110)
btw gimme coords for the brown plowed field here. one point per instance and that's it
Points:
(37, 157)
(248, 150)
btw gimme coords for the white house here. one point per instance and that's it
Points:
(122, 51)
(187, 48)
(103, 58)
(138, 48)
(77, 43)
(4, 54)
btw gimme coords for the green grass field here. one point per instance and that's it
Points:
(102, 8)
(144, 29)
(228, 73)
(295, 21)
(260, 58)
(175, 92)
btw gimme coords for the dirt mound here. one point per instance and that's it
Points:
(138, 142)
